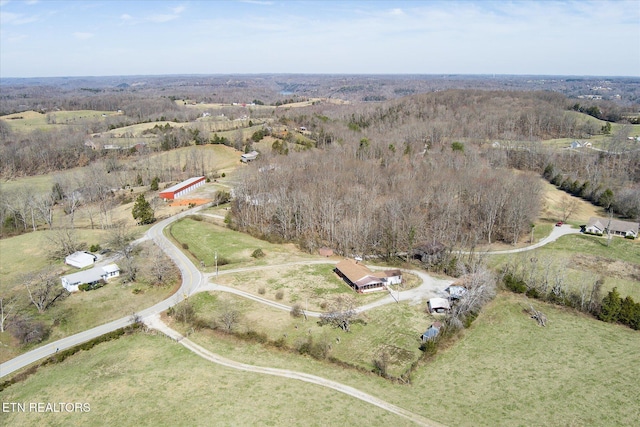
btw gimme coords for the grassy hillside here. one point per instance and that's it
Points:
(509, 371)
(150, 380)
(505, 370)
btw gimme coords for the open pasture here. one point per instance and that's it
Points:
(173, 386)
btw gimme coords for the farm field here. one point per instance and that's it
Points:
(584, 374)
(173, 386)
(28, 121)
(559, 383)
(394, 329)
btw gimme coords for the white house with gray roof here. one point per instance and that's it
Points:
(92, 276)
(613, 226)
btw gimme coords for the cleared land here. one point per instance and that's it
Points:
(205, 239)
(79, 311)
(393, 329)
(173, 386)
(505, 370)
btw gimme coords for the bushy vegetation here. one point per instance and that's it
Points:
(551, 287)
(621, 310)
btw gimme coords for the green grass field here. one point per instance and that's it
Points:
(150, 380)
(509, 371)
(205, 239)
(504, 371)
(28, 121)
(394, 329)
(79, 311)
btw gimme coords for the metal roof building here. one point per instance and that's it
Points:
(183, 188)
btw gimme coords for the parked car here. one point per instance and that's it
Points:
(559, 224)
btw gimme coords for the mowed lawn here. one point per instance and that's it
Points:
(205, 239)
(151, 380)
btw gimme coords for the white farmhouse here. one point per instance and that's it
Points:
(92, 276)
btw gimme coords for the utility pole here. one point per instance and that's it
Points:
(216, 258)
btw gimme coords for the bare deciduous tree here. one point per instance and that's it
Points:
(341, 313)
(160, 267)
(7, 311)
(44, 288)
(65, 242)
(229, 317)
(568, 206)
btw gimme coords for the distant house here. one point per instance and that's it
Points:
(250, 156)
(363, 280)
(576, 144)
(432, 332)
(71, 282)
(616, 227)
(80, 259)
(438, 305)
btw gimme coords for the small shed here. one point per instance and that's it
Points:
(248, 157)
(438, 305)
(326, 252)
(455, 292)
(432, 332)
(80, 259)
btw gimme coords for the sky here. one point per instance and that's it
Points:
(49, 38)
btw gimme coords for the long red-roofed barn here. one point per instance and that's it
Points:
(183, 188)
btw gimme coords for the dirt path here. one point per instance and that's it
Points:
(156, 323)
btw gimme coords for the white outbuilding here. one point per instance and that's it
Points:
(80, 259)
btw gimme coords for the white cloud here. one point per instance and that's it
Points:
(126, 17)
(259, 2)
(397, 12)
(7, 18)
(82, 36)
(162, 18)
(17, 38)
(178, 10)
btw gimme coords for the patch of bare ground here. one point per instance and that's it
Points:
(606, 266)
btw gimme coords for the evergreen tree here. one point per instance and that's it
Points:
(630, 313)
(154, 184)
(611, 307)
(142, 211)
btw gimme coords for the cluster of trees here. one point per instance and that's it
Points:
(367, 200)
(544, 279)
(621, 310)
(41, 151)
(595, 182)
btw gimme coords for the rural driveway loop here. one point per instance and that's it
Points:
(156, 323)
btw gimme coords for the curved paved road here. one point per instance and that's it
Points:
(194, 281)
(555, 234)
(191, 279)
